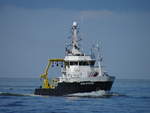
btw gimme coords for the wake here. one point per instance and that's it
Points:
(15, 94)
(96, 94)
(93, 94)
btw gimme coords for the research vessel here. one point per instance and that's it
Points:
(81, 73)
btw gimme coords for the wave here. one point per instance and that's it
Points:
(15, 94)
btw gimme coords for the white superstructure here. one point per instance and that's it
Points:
(78, 66)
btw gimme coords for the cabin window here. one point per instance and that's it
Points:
(83, 63)
(67, 63)
(73, 63)
(92, 63)
(86, 63)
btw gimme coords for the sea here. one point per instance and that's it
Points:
(126, 96)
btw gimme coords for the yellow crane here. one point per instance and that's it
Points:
(44, 76)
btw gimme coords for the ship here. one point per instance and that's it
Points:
(81, 73)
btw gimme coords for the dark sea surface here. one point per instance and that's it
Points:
(126, 96)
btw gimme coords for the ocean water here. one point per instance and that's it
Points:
(126, 96)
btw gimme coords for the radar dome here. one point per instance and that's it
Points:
(74, 23)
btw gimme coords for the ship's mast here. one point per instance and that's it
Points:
(99, 59)
(75, 47)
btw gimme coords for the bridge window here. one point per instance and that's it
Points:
(83, 63)
(92, 63)
(73, 63)
(67, 63)
(86, 63)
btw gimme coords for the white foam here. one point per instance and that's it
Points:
(91, 94)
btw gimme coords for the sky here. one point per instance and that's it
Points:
(32, 31)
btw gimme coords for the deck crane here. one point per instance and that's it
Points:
(44, 76)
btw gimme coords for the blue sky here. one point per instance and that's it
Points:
(31, 31)
(116, 5)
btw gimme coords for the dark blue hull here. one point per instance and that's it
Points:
(66, 88)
